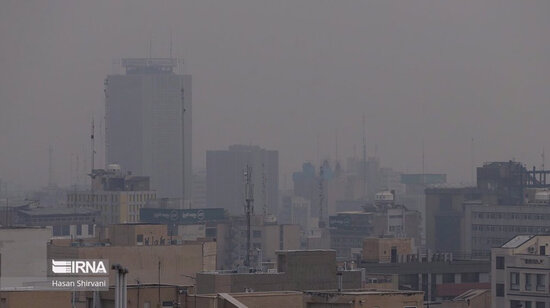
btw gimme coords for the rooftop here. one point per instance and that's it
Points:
(517, 241)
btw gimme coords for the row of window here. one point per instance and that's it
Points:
(506, 215)
(509, 228)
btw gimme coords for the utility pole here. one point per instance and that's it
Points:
(249, 209)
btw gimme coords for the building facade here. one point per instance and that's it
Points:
(225, 178)
(520, 271)
(148, 124)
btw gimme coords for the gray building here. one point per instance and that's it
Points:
(225, 178)
(520, 271)
(148, 124)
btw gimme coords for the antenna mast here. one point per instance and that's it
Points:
(50, 166)
(264, 193)
(364, 159)
(249, 209)
(321, 196)
(183, 196)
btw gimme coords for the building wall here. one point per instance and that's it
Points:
(114, 206)
(379, 249)
(177, 262)
(366, 299)
(491, 226)
(225, 180)
(521, 261)
(127, 234)
(38, 299)
(23, 252)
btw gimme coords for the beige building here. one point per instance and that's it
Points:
(365, 299)
(386, 250)
(476, 298)
(23, 254)
(520, 271)
(117, 196)
(35, 299)
(178, 263)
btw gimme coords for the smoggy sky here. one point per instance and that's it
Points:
(284, 73)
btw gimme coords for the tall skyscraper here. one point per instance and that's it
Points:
(225, 178)
(148, 124)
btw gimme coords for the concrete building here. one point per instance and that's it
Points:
(475, 298)
(520, 271)
(74, 223)
(178, 263)
(437, 275)
(386, 250)
(297, 211)
(41, 299)
(296, 270)
(24, 255)
(349, 229)
(225, 178)
(148, 124)
(365, 298)
(266, 239)
(117, 196)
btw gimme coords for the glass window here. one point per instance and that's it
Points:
(514, 281)
(528, 286)
(541, 282)
(500, 290)
(500, 262)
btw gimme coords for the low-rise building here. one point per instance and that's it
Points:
(296, 270)
(172, 264)
(118, 197)
(438, 275)
(387, 250)
(520, 271)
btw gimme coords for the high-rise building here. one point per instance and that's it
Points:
(225, 178)
(148, 124)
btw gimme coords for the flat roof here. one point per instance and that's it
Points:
(517, 241)
(47, 211)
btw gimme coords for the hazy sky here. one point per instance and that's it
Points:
(280, 73)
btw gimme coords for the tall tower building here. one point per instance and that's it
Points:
(148, 124)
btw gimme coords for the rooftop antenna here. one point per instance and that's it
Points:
(170, 43)
(336, 144)
(50, 166)
(472, 163)
(92, 141)
(150, 45)
(249, 209)
(542, 157)
(321, 196)
(364, 165)
(183, 192)
(264, 192)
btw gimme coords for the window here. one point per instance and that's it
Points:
(514, 281)
(540, 305)
(79, 229)
(515, 304)
(527, 305)
(256, 234)
(500, 290)
(528, 286)
(139, 238)
(541, 282)
(500, 262)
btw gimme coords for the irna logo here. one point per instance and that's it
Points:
(78, 267)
